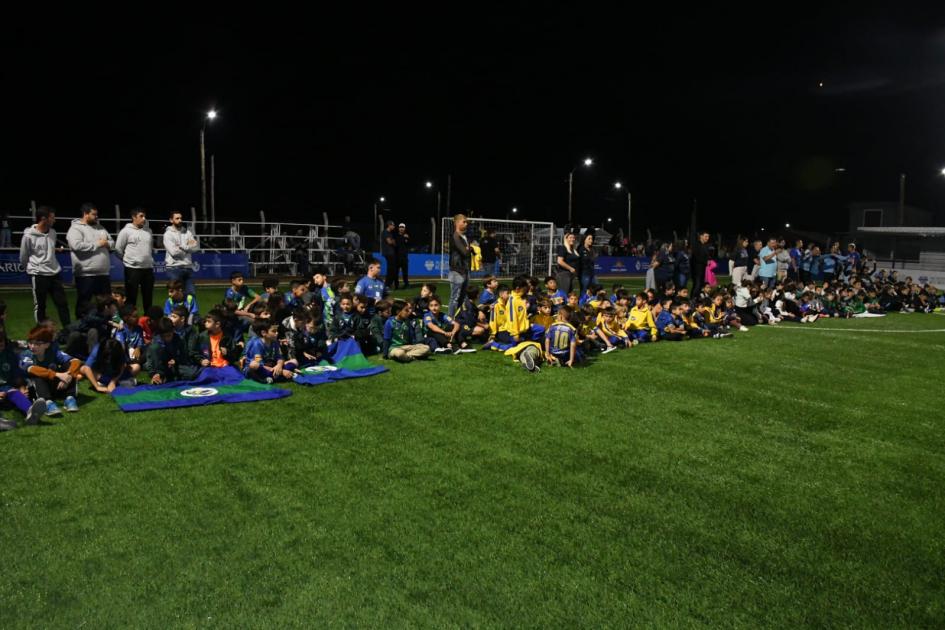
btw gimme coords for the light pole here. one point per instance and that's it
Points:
(430, 186)
(587, 162)
(374, 225)
(619, 186)
(212, 114)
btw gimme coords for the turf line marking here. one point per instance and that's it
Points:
(881, 330)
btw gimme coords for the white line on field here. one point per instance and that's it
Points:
(882, 330)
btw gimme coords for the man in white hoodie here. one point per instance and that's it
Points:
(91, 245)
(180, 243)
(38, 257)
(134, 246)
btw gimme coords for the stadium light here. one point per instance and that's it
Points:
(787, 225)
(618, 185)
(943, 171)
(382, 199)
(211, 114)
(514, 210)
(429, 184)
(588, 161)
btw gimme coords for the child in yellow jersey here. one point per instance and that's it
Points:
(499, 316)
(693, 329)
(544, 318)
(609, 333)
(640, 323)
(518, 327)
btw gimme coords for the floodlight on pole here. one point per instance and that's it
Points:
(211, 114)
(587, 162)
(618, 185)
(429, 184)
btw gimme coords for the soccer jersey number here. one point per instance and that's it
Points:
(562, 340)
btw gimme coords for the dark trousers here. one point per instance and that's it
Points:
(698, 280)
(51, 286)
(391, 280)
(402, 262)
(143, 279)
(88, 287)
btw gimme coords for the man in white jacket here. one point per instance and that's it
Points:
(38, 258)
(135, 246)
(180, 243)
(91, 245)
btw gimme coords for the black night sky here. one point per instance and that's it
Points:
(328, 113)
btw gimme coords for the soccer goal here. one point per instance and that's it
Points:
(525, 247)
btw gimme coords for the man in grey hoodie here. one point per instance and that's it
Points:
(38, 258)
(134, 246)
(91, 262)
(180, 243)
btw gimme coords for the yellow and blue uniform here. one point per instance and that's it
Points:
(613, 333)
(518, 326)
(560, 336)
(640, 324)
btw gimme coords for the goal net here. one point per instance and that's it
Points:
(524, 247)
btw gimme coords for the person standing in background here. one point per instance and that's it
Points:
(700, 259)
(179, 244)
(38, 257)
(389, 252)
(91, 246)
(403, 252)
(135, 246)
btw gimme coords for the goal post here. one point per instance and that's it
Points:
(525, 247)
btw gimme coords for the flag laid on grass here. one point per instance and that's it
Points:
(345, 361)
(212, 385)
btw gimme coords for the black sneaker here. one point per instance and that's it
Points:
(7, 425)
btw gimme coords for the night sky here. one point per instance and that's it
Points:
(328, 113)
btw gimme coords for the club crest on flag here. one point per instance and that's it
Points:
(319, 369)
(199, 392)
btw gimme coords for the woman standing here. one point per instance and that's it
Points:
(742, 260)
(568, 261)
(586, 252)
(665, 266)
(683, 267)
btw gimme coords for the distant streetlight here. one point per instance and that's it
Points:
(943, 171)
(377, 204)
(618, 185)
(840, 170)
(787, 225)
(762, 229)
(429, 184)
(587, 162)
(514, 210)
(609, 220)
(211, 115)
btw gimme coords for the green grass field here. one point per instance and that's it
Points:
(788, 476)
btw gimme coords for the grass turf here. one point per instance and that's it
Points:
(789, 476)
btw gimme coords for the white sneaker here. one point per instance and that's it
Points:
(610, 349)
(743, 329)
(464, 350)
(36, 411)
(441, 350)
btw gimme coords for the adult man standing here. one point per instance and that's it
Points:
(797, 253)
(768, 266)
(491, 255)
(180, 243)
(700, 259)
(460, 255)
(91, 245)
(135, 245)
(38, 258)
(403, 252)
(389, 252)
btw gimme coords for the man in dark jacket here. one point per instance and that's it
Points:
(389, 252)
(460, 255)
(700, 259)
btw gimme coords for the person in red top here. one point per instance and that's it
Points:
(149, 323)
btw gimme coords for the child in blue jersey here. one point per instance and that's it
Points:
(666, 325)
(107, 367)
(263, 360)
(294, 296)
(345, 321)
(561, 340)
(473, 319)
(446, 334)
(13, 386)
(50, 371)
(176, 297)
(557, 297)
(489, 295)
(371, 285)
(130, 334)
(402, 342)
(242, 296)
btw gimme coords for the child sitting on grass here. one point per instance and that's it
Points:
(263, 360)
(108, 367)
(167, 358)
(561, 340)
(401, 340)
(176, 297)
(212, 347)
(13, 387)
(50, 372)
